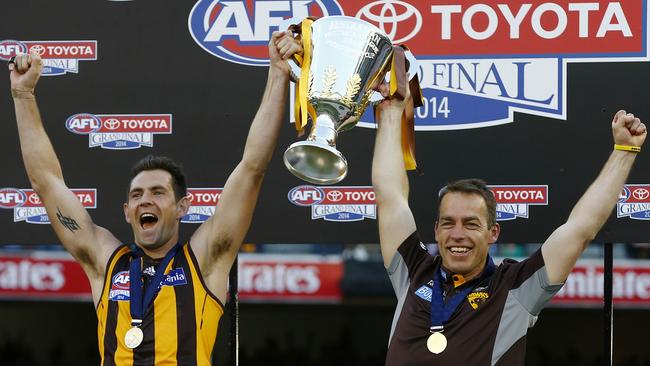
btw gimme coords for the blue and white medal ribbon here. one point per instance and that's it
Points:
(442, 311)
(134, 336)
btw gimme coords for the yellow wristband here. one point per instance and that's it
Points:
(22, 94)
(635, 149)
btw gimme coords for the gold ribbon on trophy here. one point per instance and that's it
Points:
(302, 107)
(398, 85)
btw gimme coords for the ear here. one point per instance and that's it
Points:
(435, 231)
(182, 206)
(494, 233)
(126, 212)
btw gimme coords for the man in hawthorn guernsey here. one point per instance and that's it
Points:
(174, 323)
(458, 308)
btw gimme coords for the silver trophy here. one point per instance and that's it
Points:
(349, 58)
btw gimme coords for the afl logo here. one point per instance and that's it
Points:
(400, 20)
(306, 195)
(121, 281)
(10, 48)
(83, 123)
(624, 195)
(239, 31)
(11, 198)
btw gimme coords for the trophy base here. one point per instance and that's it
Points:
(315, 163)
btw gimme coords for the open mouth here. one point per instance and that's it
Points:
(459, 251)
(148, 220)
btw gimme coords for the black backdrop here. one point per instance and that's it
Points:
(149, 63)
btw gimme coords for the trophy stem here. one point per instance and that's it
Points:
(316, 159)
(324, 131)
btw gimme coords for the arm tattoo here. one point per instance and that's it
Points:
(67, 222)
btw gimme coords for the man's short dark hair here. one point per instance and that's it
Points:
(473, 186)
(151, 162)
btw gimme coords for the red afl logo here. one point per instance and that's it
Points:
(121, 281)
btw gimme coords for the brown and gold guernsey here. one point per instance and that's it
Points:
(489, 329)
(180, 327)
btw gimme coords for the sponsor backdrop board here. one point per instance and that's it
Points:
(519, 94)
(302, 278)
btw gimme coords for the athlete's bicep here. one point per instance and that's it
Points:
(89, 244)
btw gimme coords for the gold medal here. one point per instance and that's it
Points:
(437, 343)
(133, 337)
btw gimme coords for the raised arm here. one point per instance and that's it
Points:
(389, 180)
(562, 249)
(217, 241)
(89, 244)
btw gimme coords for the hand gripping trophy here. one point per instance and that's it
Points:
(344, 60)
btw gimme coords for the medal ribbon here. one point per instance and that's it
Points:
(138, 304)
(442, 310)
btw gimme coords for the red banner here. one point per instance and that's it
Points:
(507, 27)
(300, 278)
(43, 276)
(290, 277)
(584, 287)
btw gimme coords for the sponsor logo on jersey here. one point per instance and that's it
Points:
(203, 204)
(424, 247)
(119, 131)
(59, 57)
(479, 62)
(175, 277)
(340, 204)
(514, 201)
(424, 292)
(634, 202)
(28, 207)
(121, 281)
(120, 287)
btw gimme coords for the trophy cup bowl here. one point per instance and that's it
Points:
(349, 59)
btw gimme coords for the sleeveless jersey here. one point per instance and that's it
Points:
(180, 327)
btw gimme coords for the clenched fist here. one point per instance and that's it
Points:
(25, 72)
(628, 130)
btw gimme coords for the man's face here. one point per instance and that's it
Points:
(152, 209)
(463, 234)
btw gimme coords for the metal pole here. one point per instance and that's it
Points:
(608, 325)
(234, 313)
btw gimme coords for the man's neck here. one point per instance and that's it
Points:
(160, 252)
(474, 273)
